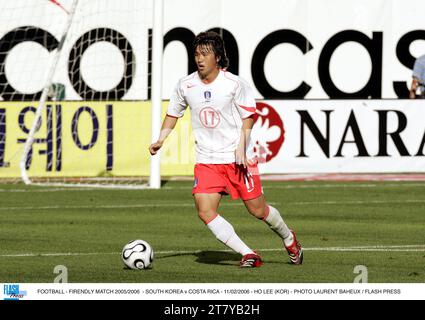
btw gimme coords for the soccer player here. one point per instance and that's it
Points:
(222, 106)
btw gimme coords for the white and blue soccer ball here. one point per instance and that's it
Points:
(137, 254)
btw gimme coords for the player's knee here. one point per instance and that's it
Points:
(207, 215)
(258, 212)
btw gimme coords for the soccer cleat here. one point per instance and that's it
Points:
(295, 251)
(251, 260)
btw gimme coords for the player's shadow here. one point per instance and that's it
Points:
(217, 257)
(209, 257)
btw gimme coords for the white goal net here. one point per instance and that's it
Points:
(83, 69)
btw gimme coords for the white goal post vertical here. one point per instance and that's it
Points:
(43, 99)
(157, 53)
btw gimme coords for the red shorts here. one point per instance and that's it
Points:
(230, 178)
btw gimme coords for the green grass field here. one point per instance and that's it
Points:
(380, 225)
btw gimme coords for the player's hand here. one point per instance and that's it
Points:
(154, 147)
(240, 157)
(252, 162)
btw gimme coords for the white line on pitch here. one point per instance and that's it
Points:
(176, 205)
(124, 206)
(355, 202)
(401, 248)
(266, 186)
(388, 247)
(137, 206)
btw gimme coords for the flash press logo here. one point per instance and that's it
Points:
(12, 292)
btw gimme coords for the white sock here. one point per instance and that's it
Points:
(224, 232)
(276, 223)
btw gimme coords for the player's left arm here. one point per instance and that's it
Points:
(240, 152)
(246, 106)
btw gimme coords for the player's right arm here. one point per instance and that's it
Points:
(167, 126)
(176, 109)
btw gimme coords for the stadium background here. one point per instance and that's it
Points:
(296, 55)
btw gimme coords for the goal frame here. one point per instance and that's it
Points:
(156, 101)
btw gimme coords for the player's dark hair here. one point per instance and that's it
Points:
(213, 40)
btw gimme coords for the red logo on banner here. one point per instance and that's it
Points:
(268, 133)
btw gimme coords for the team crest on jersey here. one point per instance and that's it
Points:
(207, 96)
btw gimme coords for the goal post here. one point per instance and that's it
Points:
(81, 91)
(157, 53)
(29, 142)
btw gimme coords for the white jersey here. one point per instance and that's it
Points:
(217, 110)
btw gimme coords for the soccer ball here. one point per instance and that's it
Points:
(137, 254)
